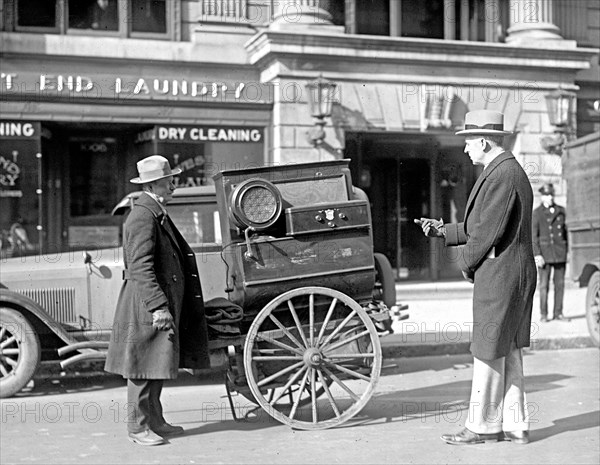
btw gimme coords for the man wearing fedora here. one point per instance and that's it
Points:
(497, 257)
(550, 246)
(159, 323)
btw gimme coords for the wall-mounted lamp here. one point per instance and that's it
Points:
(320, 101)
(560, 106)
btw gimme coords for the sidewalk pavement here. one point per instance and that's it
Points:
(440, 320)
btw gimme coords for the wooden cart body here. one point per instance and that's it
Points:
(298, 246)
(581, 169)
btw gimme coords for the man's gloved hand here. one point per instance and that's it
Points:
(162, 320)
(431, 227)
(539, 261)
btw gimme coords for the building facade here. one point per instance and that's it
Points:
(90, 87)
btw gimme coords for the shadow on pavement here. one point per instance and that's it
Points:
(563, 425)
(56, 384)
(446, 401)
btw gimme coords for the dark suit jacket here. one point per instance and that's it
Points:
(550, 234)
(160, 273)
(498, 255)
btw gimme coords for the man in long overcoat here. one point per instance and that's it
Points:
(550, 245)
(159, 323)
(498, 259)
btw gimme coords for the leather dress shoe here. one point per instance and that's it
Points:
(561, 317)
(544, 319)
(518, 437)
(168, 430)
(146, 438)
(467, 437)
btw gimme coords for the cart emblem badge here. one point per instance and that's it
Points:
(329, 214)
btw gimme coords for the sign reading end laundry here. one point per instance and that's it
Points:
(202, 134)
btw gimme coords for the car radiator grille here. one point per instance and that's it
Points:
(59, 302)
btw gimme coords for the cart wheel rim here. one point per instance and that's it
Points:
(340, 358)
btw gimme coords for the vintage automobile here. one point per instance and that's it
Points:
(291, 245)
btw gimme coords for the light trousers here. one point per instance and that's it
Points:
(498, 400)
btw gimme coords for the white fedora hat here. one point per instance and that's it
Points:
(484, 122)
(152, 168)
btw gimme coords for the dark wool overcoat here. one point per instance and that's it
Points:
(550, 234)
(498, 254)
(160, 273)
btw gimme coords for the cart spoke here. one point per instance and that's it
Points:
(8, 342)
(326, 321)
(333, 357)
(3, 370)
(340, 327)
(311, 318)
(286, 331)
(342, 385)
(280, 344)
(10, 351)
(349, 372)
(328, 392)
(269, 358)
(2, 332)
(268, 379)
(343, 342)
(297, 321)
(11, 362)
(288, 385)
(313, 394)
(297, 401)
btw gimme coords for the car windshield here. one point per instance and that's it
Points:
(197, 222)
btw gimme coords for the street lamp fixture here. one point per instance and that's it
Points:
(560, 106)
(320, 101)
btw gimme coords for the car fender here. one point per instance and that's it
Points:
(33, 312)
(588, 270)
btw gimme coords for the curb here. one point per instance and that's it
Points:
(458, 348)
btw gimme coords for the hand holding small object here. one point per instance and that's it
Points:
(431, 227)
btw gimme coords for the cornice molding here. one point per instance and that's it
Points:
(267, 46)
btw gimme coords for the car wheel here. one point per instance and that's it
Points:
(385, 285)
(592, 307)
(19, 352)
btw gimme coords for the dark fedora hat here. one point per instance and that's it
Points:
(546, 189)
(484, 122)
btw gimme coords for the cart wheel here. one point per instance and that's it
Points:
(311, 340)
(592, 307)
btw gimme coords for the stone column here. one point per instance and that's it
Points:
(302, 13)
(531, 20)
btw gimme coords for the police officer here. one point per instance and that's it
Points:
(550, 249)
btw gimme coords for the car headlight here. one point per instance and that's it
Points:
(255, 203)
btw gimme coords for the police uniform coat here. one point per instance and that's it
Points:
(498, 256)
(550, 234)
(160, 273)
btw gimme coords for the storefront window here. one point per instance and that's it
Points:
(93, 176)
(36, 13)
(20, 145)
(100, 15)
(149, 16)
